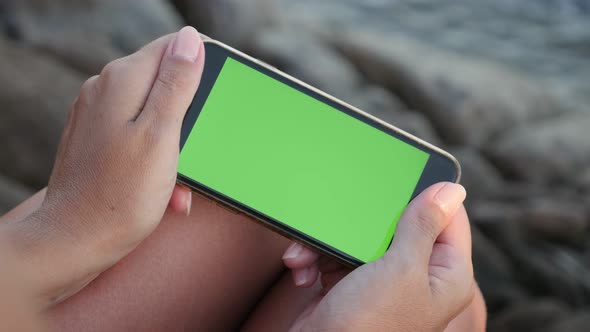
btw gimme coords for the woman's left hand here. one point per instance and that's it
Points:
(421, 283)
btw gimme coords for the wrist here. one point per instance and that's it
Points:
(36, 255)
(18, 275)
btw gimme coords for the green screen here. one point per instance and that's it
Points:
(301, 162)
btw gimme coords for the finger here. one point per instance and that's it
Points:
(422, 222)
(127, 82)
(450, 267)
(458, 233)
(176, 82)
(306, 277)
(181, 200)
(298, 256)
(65, 141)
(329, 280)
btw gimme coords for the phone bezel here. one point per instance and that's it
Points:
(441, 165)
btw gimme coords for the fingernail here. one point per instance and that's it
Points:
(450, 197)
(189, 203)
(293, 251)
(187, 44)
(300, 277)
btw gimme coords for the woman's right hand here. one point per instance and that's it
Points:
(115, 171)
(422, 283)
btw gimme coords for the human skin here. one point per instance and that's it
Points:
(105, 198)
(203, 272)
(203, 303)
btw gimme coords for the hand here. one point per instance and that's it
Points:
(115, 170)
(422, 282)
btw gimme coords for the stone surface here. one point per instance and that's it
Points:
(234, 22)
(529, 316)
(494, 273)
(36, 93)
(384, 105)
(492, 213)
(547, 40)
(502, 84)
(578, 322)
(104, 30)
(468, 100)
(307, 58)
(541, 268)
(584, 181)
(479, 176)
(549, 270)
(545, 152)
(379, 102)
(11, 194)
(558, 219)
(303, 55)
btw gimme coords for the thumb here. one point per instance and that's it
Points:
(176, 83)
(423, 221)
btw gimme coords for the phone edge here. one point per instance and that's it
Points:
(272, 226)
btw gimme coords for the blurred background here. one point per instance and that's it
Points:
(504, 85)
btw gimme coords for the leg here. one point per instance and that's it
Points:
(281, 306)
(204, 272)
(284, 303)
(473, 318)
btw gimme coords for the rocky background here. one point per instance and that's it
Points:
(504, 85)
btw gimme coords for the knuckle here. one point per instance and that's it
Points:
(112, 70)
(435, 211)
(470, 293)
(463, 296)
(404, 264)
(468, 284)
(427, 221)
(88, 91)
(151, 135)
(172, 77)
(71, 119)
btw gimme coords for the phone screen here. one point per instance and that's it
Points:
(301, 162)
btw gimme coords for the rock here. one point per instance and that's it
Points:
(479, 177)
(378, 102)
(529, 316)
(556, 219)
(414, 123)
(231, 21)
(36, 95)
(494, 273)
(88, 34)
(549, 270)
(11, 194)
(299, 53)
(578, 322)
(492, 213)
(552, 151)
(387, 107)
(469, 100)
(584, 183)
(540, 268)
(302, 55)
(518, 192)
(520, 34)
(75, 49)
(494, 251)
(489, 256)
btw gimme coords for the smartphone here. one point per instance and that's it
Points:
(300, 161)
